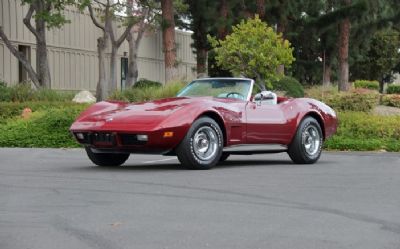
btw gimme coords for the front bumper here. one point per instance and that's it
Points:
(129, 142)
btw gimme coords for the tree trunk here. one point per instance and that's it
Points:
(327, 69)
(327, 76)
(102, 86)
(201, 47)
(260, 4)
(42, 64)
(21, 58)
(133, 73)
(344, 54)
(201, 57)
(281, 28)
(344, 36)
(223, 13)
(113, 70)
(171, 70)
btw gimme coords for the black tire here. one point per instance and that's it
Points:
(188, 151)
(106, 159)
(224, 156)
(301, 150)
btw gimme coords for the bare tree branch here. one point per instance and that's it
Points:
(27, 21)
(95, 22)
(123, 36)
(100, 3)
(21, 57)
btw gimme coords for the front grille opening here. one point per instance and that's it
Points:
(102, 138)
(130, 139)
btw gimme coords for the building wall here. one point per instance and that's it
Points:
(72, 50)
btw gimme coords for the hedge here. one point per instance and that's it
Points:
(45, 128)
(143, 83)
(290, 86)
(393, 89)
(359, 100)
(367, 84)
(365, 132)
(391, 100)
(13, 109)
(147, 93)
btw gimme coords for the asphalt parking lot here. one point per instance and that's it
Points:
(54, 198)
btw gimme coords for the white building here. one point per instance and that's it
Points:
(72, 51)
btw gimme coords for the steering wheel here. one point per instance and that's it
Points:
(235, 93)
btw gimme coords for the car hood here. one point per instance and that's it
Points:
(137, 116)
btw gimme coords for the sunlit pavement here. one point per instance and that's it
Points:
(54, 198)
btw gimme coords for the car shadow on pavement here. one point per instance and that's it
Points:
(178, 166)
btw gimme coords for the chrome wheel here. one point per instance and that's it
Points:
(205, 143)
(311, 140)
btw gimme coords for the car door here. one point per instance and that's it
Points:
(266, 123)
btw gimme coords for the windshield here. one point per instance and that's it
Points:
(219, 88)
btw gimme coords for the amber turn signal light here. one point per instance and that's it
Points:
(168, 134)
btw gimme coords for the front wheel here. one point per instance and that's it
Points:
(306, 146)
(106, 159)
(201, 148)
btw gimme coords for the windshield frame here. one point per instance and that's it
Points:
(248, 97)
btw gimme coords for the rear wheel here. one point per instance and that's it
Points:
(106, 159)
(306, 146)
(201, 148)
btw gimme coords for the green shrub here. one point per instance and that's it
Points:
(363, 131)
(144, 83)
(13, 109)
(5, 92)
(362, 100)
(147, 93)
(391, 100)
(23, 92)
(46, 128)
(367, 84)
(52, 95)
(290, 86)
(393, 89)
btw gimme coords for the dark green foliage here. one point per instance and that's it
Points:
(290, 86)
(46, 128)
(363, 131)
(143, 83)
(380, 57)
(393, 89)
(391, 100)
(367, 84)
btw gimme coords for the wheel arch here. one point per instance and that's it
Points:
(217, 118)
(319, 119)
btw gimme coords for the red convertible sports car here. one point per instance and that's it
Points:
(209, 120)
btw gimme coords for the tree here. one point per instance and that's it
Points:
(168, 34)
(46, 14)
(381, 58)
(254, 50)
(201, 25)
(144, 13)
(109, 11)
